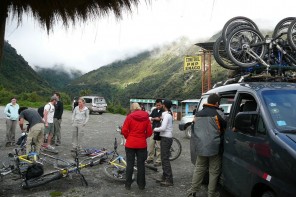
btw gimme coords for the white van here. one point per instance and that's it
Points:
(95, 104)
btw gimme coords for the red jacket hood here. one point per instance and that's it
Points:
(139, 115)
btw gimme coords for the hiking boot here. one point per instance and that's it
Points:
(159, 179)
(7, 144)
(166, 183)
(127, 187)
(149, 161)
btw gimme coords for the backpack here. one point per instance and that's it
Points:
(34, 170)
(41, 110)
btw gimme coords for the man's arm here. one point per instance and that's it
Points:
(21, 123)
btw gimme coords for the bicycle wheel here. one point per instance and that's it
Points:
(292, 34)
(220, 55)
(236, 20)
(92, 161)
(54, 161)
(176, 149)
(42, 180)
(282, 27)
(115, 173)
(245, 46)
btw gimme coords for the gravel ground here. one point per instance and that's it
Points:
(100, 132)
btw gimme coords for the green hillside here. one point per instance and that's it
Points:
(18, 78)
(58, 76)
(151, 74)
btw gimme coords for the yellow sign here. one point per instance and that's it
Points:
(192, 63)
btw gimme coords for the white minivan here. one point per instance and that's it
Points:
(95, 104)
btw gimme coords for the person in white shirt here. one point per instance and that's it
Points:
(166, 141)
(48, 121)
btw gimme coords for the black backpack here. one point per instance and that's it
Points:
(41, 110)
(34, 170)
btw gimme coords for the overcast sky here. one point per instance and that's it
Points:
(94, 44)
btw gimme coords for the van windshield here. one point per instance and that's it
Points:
(281, 105)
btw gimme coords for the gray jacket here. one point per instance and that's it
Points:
(206, 138)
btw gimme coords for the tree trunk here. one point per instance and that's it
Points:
(3, 16)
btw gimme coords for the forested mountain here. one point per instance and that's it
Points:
(151, 74)
(17, 76)
(58, 76)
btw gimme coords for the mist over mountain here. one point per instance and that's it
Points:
(152, 74)
(58, 76)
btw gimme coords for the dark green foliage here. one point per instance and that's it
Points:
(58, 76)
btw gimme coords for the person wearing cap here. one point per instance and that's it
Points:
(11, 112)
(206, 141)
(48, 114)
(166, 141)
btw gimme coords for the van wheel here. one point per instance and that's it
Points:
(188, 132)
(100, 113)
(268, 194)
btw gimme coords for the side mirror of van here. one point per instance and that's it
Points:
(246, 122)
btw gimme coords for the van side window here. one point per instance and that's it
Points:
(261, 127)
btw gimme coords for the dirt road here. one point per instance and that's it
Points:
(100, 132)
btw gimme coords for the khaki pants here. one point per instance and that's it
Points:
(201, 166)
(57, 130)
(10, 130)
(77, 136)
(154, 146)
(36, 135)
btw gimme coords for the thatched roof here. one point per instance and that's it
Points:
(48, 12)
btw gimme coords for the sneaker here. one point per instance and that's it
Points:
(57, 144)
(50, 147)
(149, 161)
(166, 183)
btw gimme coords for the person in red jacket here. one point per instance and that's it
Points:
(136, 129)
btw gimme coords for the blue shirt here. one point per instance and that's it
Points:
(11, 111)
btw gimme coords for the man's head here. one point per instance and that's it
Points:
(56, 94)
(214, 99)
(53, 99)
(21, 109)
(158, 103)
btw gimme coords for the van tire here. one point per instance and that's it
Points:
(188, 132)
(268, 194)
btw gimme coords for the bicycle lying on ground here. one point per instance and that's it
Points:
(22, 165)
(175, 150)
(116, 166)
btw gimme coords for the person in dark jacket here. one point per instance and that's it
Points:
(57, 120)
(154, 142)
(206, 141)
(136, 129)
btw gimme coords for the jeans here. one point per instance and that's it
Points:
(141, 154)
(201, 165)
(165, 146)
